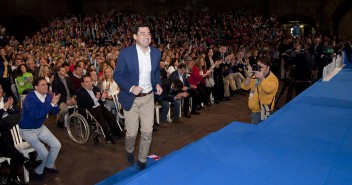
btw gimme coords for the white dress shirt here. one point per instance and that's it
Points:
(145, 68)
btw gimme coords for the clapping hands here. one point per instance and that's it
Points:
(56, 98)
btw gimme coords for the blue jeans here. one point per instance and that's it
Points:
(177, 110)
(36, 138)
(165, 109)
(256, 117)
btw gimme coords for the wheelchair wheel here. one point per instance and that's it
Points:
(78, 128)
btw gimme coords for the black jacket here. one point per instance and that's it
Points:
(84, 100)
(59, 87)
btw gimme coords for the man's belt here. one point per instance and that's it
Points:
(143, 94)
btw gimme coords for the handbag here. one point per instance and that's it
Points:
(264, 108)
(209, 82)
(264, 111)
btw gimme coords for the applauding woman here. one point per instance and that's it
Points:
(197, 79)
(24, 80)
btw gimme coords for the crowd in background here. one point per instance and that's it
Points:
(204, 61)
(83, 44)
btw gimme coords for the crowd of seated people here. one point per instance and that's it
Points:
(203, 57)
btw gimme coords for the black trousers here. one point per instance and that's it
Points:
(6, 85)
(204, 94)
(195, 99)
(7, 148)
(107, 120)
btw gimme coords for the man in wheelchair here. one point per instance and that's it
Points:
(91, 98)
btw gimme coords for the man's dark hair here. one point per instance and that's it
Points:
(136, 28)
(180, 66)
(65, 64)
(37, 80)
(265, 60)
(84, 76)
(77, 66)
(57, 69)
(178, 85)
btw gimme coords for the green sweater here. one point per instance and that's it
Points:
(24, 82)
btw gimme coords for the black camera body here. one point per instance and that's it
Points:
(256, 67)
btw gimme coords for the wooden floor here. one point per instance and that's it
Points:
(88, 164)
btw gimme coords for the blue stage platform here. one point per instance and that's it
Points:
(308, 141)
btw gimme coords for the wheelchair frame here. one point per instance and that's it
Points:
(80, 128)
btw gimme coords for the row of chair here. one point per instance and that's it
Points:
(23, 147)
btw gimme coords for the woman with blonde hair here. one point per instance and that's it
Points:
(45, 72)
(110, 86)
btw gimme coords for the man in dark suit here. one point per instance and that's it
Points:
(9, 117)
(62, 85)
(90, 98)
(180, 74)
(76, 77)
(138, 76)
(220, 73)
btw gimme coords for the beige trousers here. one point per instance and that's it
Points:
(140, 116)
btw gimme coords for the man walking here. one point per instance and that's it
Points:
(138, 76)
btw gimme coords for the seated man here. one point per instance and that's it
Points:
(36, 106)
(9, 117)
(90, 98)
(172, 92)
(62, 85)
(180, 74)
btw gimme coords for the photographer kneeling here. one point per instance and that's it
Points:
(263, 85)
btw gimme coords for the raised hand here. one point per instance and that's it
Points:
(56, 98)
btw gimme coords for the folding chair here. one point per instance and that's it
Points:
(157, 107)
(118, 107)
(3, 159)
(23, 147)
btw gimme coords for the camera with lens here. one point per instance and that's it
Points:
(256, 67)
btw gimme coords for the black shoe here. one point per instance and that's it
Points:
(120, 136)
(195, 112)
(163, 122)
(29, 164)
(155, 128)
(37, 177)
(108, 142)
(241, 92)
(50, 170)
(187, 115)
(217, 102)
(141, 166)
(60, 124)
(200, 107)
(130, 158)
(177, 120)
(227, 99)
(16, 182)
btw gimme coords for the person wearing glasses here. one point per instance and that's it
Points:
(36, 106)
